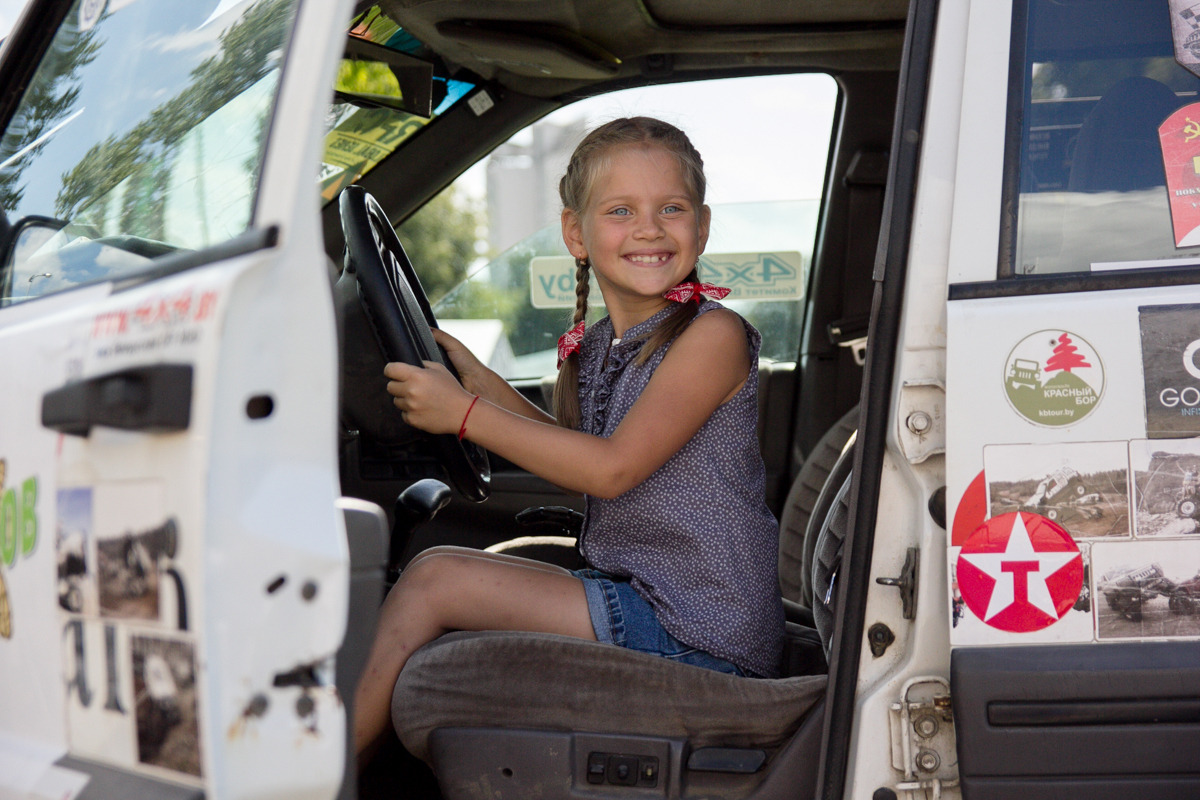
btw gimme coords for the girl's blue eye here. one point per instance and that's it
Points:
(672, 209)
(620, 211)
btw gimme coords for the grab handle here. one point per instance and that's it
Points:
(156, 398)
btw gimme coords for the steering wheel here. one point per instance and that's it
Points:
(400, 316)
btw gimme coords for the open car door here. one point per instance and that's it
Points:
(173, 564)
(1072, 393)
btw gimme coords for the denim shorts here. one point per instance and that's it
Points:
(622, 617)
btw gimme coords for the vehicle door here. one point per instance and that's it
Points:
(1073, 325)
(173, 570)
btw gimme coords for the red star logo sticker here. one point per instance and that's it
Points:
(1020, 572)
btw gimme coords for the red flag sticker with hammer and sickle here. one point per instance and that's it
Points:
(1020, 572)
(1179, 136)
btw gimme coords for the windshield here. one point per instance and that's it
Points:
(140, 134)
(362, 134)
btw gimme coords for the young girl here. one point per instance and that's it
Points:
(656, 413)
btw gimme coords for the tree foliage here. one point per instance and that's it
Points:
(248, 51)
(51, 97)
(440, 240)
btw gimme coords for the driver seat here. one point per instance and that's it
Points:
(517, 715)
(564, 716)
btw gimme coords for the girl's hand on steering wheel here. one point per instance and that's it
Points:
(428, 397)
(471, 371)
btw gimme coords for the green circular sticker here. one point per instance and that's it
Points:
(1053, 378)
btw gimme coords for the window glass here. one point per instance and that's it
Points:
(360, 134)
(140, 134)
(765, 144)
(1107, 178)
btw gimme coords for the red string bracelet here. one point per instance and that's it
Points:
(462, 430)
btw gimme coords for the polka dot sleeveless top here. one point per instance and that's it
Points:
(696, 538)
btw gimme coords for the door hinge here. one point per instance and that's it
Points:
(923, 743)
(922, 428)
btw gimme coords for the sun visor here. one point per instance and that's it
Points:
(535, 51)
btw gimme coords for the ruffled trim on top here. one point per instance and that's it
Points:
(597, 344)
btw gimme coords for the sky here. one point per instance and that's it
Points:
(763, 138)
(9, 9)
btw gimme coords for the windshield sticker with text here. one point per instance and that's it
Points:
(748, 276)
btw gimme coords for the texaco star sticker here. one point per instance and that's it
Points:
(1020, 572)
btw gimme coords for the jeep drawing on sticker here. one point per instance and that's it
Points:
(1073, 388)
(1024, 372)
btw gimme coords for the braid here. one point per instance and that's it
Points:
(566, 389)
(583, 287)
(675, 324)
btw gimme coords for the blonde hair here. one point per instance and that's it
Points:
(589, 159)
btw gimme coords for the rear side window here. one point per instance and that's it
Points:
(140, 134)
(1104, 136)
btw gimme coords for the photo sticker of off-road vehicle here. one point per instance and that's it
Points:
(1147, 590)
(1053, 378)
(1082, 486)
(1166, 479)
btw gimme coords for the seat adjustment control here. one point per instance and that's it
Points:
(622, 770)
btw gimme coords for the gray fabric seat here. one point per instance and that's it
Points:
(474, 700)
(542, 682)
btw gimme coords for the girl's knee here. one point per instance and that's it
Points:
(432, 570)
(438, 550)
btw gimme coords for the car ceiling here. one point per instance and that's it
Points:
(546, 48)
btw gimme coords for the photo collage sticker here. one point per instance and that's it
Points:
(130, 659)
(1150, 586)
(1095, 541)
(1028, 569)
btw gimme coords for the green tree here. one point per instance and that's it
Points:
(249, 50)
(51, 96)
(441, 240)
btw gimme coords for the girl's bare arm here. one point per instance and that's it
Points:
(704, 368)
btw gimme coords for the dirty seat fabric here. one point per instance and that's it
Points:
(534, 681)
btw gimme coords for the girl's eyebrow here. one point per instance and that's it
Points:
(620, 199)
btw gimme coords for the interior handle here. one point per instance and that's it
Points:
(155, 398)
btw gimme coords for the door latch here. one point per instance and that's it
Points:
(906, 583)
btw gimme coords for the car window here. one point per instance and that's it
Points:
(140, 134)
(511, 297)
(1105, 175)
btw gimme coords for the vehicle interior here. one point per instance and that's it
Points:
(512, 712)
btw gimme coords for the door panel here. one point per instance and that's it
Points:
(173, 568)
(1074, 632)
(1116, 721)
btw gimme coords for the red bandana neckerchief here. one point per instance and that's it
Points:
(690, 290)
(568, 343)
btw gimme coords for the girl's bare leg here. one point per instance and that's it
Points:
(471, 552)
(449, 589)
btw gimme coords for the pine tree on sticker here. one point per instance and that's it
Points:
(1066, 356)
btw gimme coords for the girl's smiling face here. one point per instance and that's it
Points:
(642, 228)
